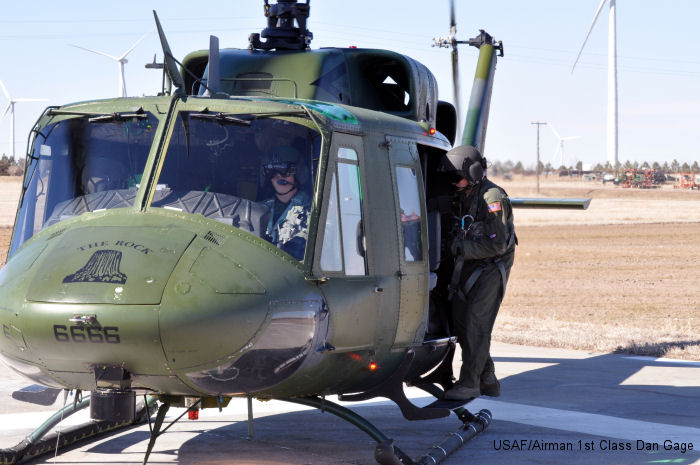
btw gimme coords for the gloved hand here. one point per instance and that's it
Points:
(477, 230)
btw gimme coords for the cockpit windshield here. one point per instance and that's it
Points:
(253, 171)
(82, 164)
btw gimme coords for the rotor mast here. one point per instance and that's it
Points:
(286, 27)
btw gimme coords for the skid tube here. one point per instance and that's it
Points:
(386, 453)
(39, 442)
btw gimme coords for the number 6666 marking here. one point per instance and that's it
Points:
(86, 334)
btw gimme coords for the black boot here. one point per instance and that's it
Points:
(490, 385)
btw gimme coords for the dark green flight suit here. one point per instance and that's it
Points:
(482, 265)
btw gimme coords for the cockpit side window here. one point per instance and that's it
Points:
(252, 173)
(80, 165)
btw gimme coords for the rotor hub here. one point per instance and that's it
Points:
(286, 27)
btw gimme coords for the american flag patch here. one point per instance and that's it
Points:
(495, 207)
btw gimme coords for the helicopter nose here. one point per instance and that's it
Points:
(109, 265)
(238, 316)
(82, 296)
(181, 308)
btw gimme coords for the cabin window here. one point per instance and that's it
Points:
(83, 164)
(409, 203)
(331, 254)
(382, 84)
(344, 219)
(237, 169)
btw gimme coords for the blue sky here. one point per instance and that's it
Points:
(659, 68)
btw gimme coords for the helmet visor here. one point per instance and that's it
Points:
(453, 177)
(284, 168)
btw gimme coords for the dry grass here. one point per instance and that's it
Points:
(4, 243)
(607, 279)
(622, 276)
(10, 188)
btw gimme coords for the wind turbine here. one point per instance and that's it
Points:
(560, 145)
(612, 78)
(11, 110)
(121, 60)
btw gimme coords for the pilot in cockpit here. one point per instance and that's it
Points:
(102, 174)
(284, 169)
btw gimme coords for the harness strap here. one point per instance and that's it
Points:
(504, 278)
(454, 283)
(470, 282)
(474, 277)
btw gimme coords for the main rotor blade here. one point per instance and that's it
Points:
(4, 91)
(31, 100)
(543, 202)
(595, 18)
(95, 51)
(132, 47)
(453, 22)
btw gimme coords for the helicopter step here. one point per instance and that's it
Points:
(449, 404)
(392, 389)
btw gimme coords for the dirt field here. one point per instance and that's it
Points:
(620, 276)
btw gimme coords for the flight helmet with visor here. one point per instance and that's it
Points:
(465, 162)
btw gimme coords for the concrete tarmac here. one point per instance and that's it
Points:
(557, 407)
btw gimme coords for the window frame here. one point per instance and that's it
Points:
(421, 201)
(342, 141)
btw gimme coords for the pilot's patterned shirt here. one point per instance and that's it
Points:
(291, 229)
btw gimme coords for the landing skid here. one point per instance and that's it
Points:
(41, 442)
(386, 453)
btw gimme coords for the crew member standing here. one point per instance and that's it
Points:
(482, 245)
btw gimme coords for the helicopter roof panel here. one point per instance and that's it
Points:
(378, 80)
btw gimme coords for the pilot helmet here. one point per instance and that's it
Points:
(102, 174)
(286, 161)
(466, 162)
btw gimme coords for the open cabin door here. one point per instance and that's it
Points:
(409, 195)
(351, 291)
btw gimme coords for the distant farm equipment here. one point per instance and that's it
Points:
(687, 181)
(642, 178)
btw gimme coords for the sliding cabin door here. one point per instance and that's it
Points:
(341, 253)
(412, 233)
